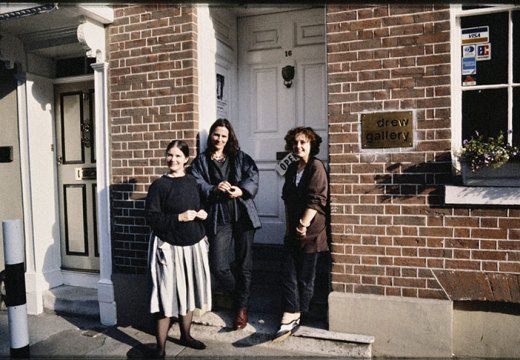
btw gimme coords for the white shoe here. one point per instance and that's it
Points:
(286, 330)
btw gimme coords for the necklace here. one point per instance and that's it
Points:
(219, 158)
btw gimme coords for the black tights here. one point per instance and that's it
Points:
(185, 325)
(163, 326)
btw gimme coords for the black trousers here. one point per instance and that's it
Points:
(298, 275)
(219, 259)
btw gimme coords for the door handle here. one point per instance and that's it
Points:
(60, 160)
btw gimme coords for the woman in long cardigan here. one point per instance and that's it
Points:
(228, 181)
(305, 193)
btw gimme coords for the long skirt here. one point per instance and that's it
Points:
(180, 277)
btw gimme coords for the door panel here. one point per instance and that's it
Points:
(75, 218)
(71, 121)
(267, 108)
(265, 104)
(77, 176)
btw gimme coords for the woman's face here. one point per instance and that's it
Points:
(176, 160)
(302, 146)
(220, 138)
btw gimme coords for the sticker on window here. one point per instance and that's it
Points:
(475, 35)
(484, 52)
(469, 51)
(469, 81)
(469, 66)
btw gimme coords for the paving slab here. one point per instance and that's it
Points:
(54, 336)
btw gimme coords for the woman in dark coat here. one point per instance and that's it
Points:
(228, 181)
(305, 193)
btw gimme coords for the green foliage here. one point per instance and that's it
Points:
(493, 151)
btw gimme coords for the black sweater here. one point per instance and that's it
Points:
(167, 198)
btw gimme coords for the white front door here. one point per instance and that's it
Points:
(77, 175)
(268, 108)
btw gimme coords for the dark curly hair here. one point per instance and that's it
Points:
(309, 133)
(231, 149)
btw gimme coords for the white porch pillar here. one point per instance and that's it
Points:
(92, 35)
(106, 298)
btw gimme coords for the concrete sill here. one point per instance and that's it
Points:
(474, 195)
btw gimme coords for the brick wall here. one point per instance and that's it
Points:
(153, 99)
(391, 233)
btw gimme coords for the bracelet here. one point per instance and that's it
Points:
(302, 224)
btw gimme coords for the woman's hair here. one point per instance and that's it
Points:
(181, 145)
(309, 133)
(232, 147)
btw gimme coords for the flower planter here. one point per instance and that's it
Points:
(505, 175)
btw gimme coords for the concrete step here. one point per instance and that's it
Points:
(309, 340)
(72, 300)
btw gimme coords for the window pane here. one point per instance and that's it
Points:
(471, 7)
(516, 46)
(516, 116)
(494, 69)
(484, 111)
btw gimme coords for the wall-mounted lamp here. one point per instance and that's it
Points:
(288, 75)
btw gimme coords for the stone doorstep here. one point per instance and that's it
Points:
(262, 327)
(310, 332)
(72, 300)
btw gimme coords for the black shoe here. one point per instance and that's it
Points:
(192, 343)
(158, 355)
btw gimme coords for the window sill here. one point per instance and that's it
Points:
(475, 195)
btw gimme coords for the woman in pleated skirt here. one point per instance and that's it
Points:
(178, 249)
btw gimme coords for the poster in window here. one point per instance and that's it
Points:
(222, 102)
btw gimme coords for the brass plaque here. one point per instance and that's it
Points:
(387, 130)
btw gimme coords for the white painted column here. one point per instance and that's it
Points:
(106, 298)
(206, 49)
(34, 298)
(39, 188)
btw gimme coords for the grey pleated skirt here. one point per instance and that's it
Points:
(180, 277)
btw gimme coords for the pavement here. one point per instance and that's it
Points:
(54, 336)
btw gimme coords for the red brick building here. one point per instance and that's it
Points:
(426, 264)
(395, 233)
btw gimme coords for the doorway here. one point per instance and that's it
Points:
(268, 106)
(76, 157)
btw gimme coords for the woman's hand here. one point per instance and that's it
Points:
(234, 192)
(188, 215)
(202, 214)
(223, 186)
(301, 230)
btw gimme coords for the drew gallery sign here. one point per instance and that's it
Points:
(387, 130)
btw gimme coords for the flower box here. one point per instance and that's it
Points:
(505, 175)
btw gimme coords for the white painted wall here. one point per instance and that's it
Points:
(40, 195)
(217, 53)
